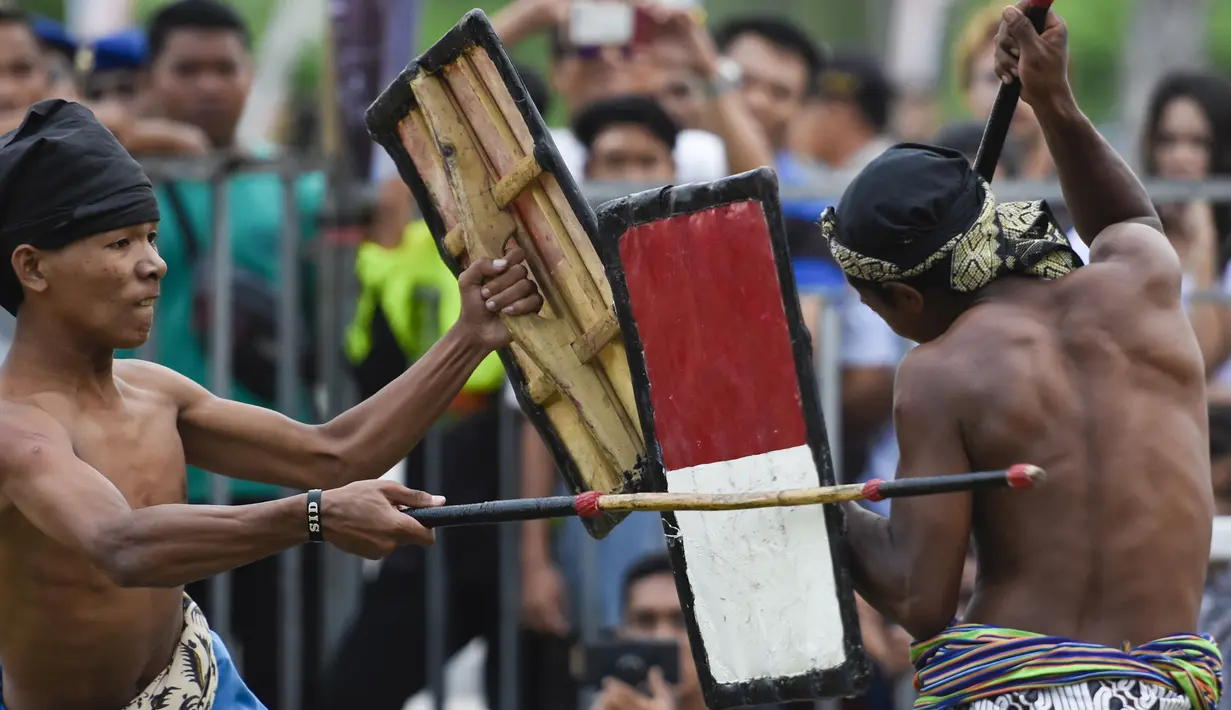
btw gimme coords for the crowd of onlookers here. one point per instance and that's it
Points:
(686, 103)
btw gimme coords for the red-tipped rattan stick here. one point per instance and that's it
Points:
(997, 129)
(593, 504)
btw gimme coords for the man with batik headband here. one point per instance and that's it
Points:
(96, 544)
(1088, 588)
(940, 226)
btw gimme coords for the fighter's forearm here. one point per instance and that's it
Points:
(1099, 188)
(873, 560)
(173, 545)
(377, 433)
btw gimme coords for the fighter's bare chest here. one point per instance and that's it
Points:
(137, 448)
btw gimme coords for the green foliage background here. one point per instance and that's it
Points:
(1097, 29)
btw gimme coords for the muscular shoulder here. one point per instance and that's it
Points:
(955, 372)
(28, 433)
(1141, 258)
(930, 379)
(156, 379)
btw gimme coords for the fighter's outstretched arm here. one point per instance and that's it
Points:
(369, 439)
(909, 566)
(167, 545)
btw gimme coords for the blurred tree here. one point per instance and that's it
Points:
(48, 8)
(1218, 34)
(1096, 34)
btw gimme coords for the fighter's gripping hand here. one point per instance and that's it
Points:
(492, 288)
(365, 518)
(1039, 60)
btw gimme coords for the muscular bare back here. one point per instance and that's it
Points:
(1097, 377)
(60, 616)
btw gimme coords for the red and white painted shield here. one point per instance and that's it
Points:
(722, 367)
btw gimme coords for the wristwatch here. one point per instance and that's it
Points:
(726, 78)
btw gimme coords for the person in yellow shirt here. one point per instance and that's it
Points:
(408, 299)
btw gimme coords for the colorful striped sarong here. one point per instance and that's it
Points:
(970, 662)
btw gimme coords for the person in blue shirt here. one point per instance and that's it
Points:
(200, 73)
(776, 65)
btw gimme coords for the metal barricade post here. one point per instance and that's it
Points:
(436, 602)
(340, 575)
(220, 381)
(290, 568)
(510, 562)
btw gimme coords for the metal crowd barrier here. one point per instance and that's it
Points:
(340, 575)
(217, 172)
(1213, 189)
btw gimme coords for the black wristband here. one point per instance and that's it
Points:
(316, 531)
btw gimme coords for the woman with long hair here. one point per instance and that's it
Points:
(1188, 137)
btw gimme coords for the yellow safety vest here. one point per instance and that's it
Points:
(390, 279)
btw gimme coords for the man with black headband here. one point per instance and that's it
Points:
(1088, 588)
(95, 542)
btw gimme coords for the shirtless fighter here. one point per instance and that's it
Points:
(95, 543)
(1088, 588)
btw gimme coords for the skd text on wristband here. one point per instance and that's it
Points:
(316, 532)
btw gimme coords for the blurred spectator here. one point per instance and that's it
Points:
(200, 74)
(536, 88)
(1187, 136)
(115, 70)
(24, 76)
(578, 76)
(677, 44)
(888, 647)
(24, 80)
(775, 66)
(976, 73)
(60, 53)
(965, 136)
(200, 67)
(27, 76)
(848, 120)
(680, 89)
(628, 138)
(682, 53)
(409, 300)
(652, 611)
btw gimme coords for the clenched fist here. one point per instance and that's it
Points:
(365, 518)
(492, 288)
(1041, 61)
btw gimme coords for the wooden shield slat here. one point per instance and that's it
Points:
(480, 162)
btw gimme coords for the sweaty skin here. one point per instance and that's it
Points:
(95, 540)
(1098, 378)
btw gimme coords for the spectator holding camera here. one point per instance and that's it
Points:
(652, 611)
(673, 47)
(775, 67)
(848, 118)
